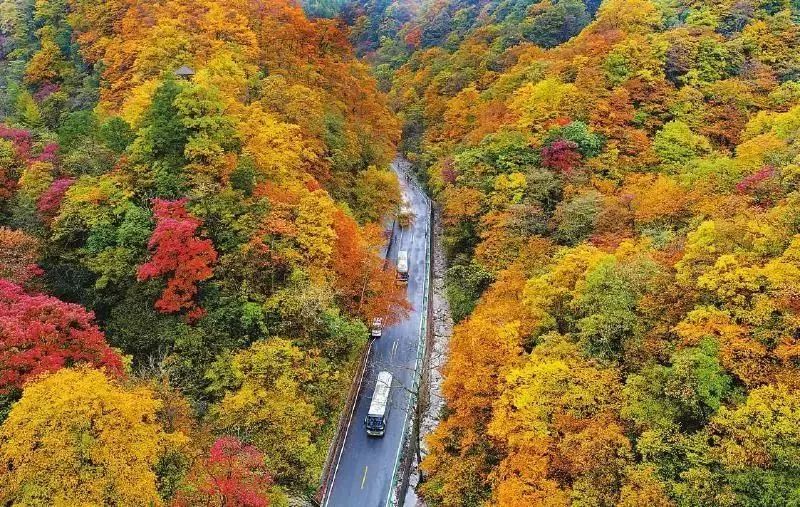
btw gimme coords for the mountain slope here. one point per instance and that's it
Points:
(210, 179)
(627, 197)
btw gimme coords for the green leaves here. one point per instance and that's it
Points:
(684, 395)
(677, 144)
(465, 284)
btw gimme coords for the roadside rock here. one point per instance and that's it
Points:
(442, 327)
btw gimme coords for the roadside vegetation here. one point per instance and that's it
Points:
(620, 198)
(191, 206)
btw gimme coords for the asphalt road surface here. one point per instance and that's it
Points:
(364, 470)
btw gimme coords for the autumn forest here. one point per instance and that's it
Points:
(194, 197)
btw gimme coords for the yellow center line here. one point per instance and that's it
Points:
(364, 479)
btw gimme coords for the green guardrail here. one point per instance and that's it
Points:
(391, 499)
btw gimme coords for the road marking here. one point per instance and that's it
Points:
(329, 489)
(326, 493)
(420, 343)
(394, 348)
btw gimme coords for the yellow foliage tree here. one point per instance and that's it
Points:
(78, 438)
(276, 147)
(558, 411)
(538, 105)
(315, 233)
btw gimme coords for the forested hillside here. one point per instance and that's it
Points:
(620, 194)
(191, 205)
(192, 197)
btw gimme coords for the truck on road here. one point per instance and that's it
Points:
(402, 266)
(376, 330)
(375, 422)
(405, 217)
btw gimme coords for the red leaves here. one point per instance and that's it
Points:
(448, 172)
(562, 155)
(762, 186)
(21, 139)
(751, 181)
(177, 251)
(40, 334)
(50, 201)
(234, 474)
(19, 255)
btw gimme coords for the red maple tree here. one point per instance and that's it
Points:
(179, 252)
(234, 474)
(50, 201)
(41, 334)
(562, 155)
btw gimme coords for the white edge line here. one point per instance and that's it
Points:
(326, 495)
(423, 318)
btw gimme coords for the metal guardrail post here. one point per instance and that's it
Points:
(352, 398)
(349, 406)
(392, 500)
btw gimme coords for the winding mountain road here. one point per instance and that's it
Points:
(364, 470)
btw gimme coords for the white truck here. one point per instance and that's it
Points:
(376, 331)
(402, 266)
(375, 422)
(406, 216)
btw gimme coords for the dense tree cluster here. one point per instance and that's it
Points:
(620, 197)
(184, 256)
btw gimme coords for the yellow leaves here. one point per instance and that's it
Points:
(295, 103)
(752, 154)
(783, 273)
(462, 204)
(632, 16)
(572, 264)
(759, 123)
(377, 194)
(522, 480)
(769, 136)
(500, 243)
(508, 189)
(730, 281)
(547, 295)
(166, 47)
(224, 28)
(763, 431)
(701, 249)
(48, 64)
(277, 148)
(77, 438)
(553, 409)
(739, 353)
(707, 321)
(222, 72)
(461, 113)
(269, 405)
(637, 56)
(138, 101)
(538, 105)
(656, 198)
(35, 179)
(643, 487)
(787, 125)
(315, 233)
(555, 380)
(765, 235)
